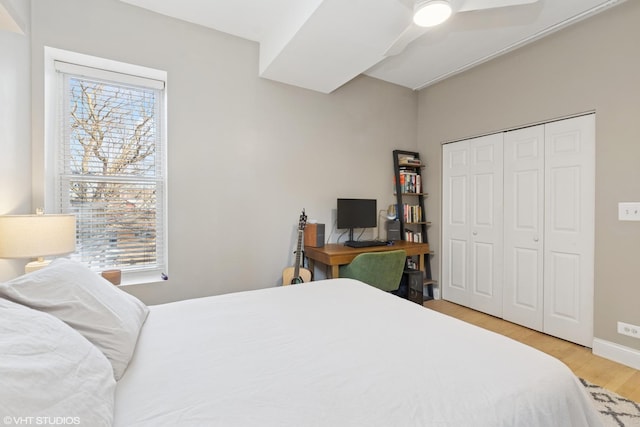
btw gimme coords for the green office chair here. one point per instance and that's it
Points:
(382, 270)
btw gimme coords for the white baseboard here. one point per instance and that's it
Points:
(617, 353)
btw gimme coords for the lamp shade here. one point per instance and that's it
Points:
(32, 236)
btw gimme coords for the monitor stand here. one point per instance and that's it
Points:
(347, 243)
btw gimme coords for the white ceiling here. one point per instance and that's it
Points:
(322, 44)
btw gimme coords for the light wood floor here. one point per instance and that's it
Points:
(618, 378)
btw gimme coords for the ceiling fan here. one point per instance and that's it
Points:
(429, 13)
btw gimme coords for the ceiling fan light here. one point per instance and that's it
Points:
(431, 13)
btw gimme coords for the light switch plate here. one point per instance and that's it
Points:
(629, 211)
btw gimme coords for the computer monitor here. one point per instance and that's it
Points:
(356, 213)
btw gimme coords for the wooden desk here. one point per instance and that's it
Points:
(334, 255)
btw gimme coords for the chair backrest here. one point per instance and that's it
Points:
(380, 269)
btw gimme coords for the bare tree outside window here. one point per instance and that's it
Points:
(110, 174)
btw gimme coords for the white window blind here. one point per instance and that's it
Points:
(111, 168)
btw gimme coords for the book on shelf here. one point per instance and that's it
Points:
(409, 161)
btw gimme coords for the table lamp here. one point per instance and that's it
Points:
(36, 236)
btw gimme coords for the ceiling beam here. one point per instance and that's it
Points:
(9, 18)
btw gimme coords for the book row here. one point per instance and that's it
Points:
(410, 182)
(412, 236)
(412, 213)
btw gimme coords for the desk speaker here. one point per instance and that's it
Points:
(314, 235)
(393, 230)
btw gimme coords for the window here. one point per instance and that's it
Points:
(110, 167)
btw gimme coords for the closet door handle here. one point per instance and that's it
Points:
(475, 233)
(535, 238)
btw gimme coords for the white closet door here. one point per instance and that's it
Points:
(524, 226)
(473, 225)
(569, 229)
(455, 218)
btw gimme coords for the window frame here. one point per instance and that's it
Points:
(53, 104)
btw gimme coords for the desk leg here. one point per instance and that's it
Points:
(312, 268)
(335, 271)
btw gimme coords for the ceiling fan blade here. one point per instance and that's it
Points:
(468, 5)
(411, 33)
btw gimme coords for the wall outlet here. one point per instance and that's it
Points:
(629, 330)
(629, 211)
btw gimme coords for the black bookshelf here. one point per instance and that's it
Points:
(410, 212)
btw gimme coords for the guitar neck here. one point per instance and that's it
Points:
(296, 271)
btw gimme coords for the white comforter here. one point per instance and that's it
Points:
(336, 353)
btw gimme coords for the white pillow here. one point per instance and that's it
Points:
(50, 372)
(105, 315)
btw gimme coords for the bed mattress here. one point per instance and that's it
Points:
(336, 353)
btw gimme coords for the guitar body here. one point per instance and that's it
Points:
(288, 277)
(296, 274)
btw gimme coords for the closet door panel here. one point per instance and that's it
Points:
(565, 201)
(569, 231)
(455, 218)
(472, 223)
(564, 269)
(483, 201)
(486, 224)
(524, 226)
(483, 279)
(526, 279)
(458, 201)
(458, 265)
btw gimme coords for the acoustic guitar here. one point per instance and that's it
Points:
(296, 274)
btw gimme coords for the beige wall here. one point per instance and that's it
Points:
(245, 154)
(15, 129)
(593, 65)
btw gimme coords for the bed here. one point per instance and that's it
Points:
(328, 353)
